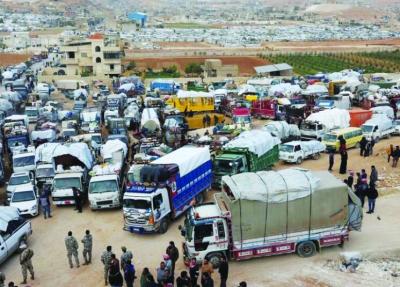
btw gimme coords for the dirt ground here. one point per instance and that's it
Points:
(7, 59)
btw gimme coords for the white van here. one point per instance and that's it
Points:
(25, 199)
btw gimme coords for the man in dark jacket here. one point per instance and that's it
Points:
(129, 273)
(331, 159)
(363, 144)
(183, 280)
(372, 195)
(373, 178)
(77, 198)
(223, 271)
(173, 254)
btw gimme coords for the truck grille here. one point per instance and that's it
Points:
(64, 198)
(104, 202)
(130, 220)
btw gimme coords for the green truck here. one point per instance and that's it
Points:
(253, 150)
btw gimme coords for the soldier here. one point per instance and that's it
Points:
(126, 255)
(26, 264)
(87, 247)
(106, 259)
(72, 249)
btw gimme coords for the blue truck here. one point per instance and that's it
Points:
(164, 86)
(159, 192)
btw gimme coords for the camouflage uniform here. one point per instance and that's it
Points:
(87, 248)
(106, 259)
(26, 263)
(72, 249)
(127, 255)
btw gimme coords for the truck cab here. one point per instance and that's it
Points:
(312, 130)
(32, 113)
(63, 182)
(229, 164)
(18, 179)
(24, 160)
(45, 173)
(105, 191)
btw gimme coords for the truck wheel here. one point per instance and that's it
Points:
(316, 156)
(214, 259)
(163, 226)
(299, 160)
(306, 249)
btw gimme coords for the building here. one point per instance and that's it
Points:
(282, 69)
(138, 17)
(94, 56)
(214, 68)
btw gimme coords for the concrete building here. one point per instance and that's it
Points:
(94, 56)
(281, 69)
(214, 68)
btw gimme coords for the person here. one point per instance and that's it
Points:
(193, 271)
(25, 259)
(331, 159)
(372, 195)
(242, 284)
(126, 255)
(45, 204)
(72, 249)
(215, 120)
(144, 277)
(77, 198)
(206, 280)
(342, 146)
(373, 178)
(173, 254)
(343, 162)
(183, 280)
(363, 144)
(350, 179)
(206, 267)
(396, 156)
(129, 273)
(151, 281)
(87, 247)
(168, 267)
(162, 274)
(367, 148)
(114, 276)
(371, 146)
(364, 177)
(2, 276)
(389, 152)
(106, 259)
(11, 284)
(204, 121)
(223, 271)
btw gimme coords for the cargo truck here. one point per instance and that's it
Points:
(270, 213)
(297, 151)
(251, 151)
(162, 190)
(378, 127)
(358, 117)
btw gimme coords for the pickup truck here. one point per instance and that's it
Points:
(297, 151)
(14, 231)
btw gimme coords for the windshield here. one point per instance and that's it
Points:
(137, 203)
(96, 139)
(69, 133)
(15, 180)
(31, 113)
(45, 172)
(330, 138)
(103, 186)
(397, 123)
(367, 129)
(241, 119)
(286, 148)
(134, 173)
(64, 183)
(23, 196)
(24, 161)
(224, 165)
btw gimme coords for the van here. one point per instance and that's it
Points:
(352, 136)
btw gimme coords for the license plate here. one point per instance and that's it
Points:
(67, 202)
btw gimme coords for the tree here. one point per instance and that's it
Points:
(193, 68)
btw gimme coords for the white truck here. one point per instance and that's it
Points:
(282, 130)
(377, 127)
(14, 232)
(318, 124)
(297, 151)
(106, 185)
(24, 160)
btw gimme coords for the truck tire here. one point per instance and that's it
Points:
(163, 226)
(215, 259)
(299, 160)
(306, 249)
(316, 156)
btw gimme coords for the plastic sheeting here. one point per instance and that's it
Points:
(187, 158)
(282, 129)
(7, 213)
(126, 87)
(272, 186)
(286, 89)
(80, 151)
(257, 141)
(244, 89)
(380, 120)
(5, 105)
(112, 146)
(149, 120)
(90, 116)
(333, 118)
(79, 92)
(386, 110)
(44, 152)
(49, 135)
(315, 89)
(193, 94)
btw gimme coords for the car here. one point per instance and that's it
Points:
(26, 200)
(18, 179)
(396, 125)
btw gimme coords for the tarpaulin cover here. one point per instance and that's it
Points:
(14, 97)
(387, 110)
(285, 89)
(315, 89)
(5, 105)
(244, 89)
(79, 93)
(257, 141)
(79, 151)
(193, 94)
(112, 146)
(333, 118)
(282, 129)
(126, 87)
(149, 120)
(49, 135)
(89, 116)
(44, 152)
(380, 120)
(7, 75)
(7, 213)
(187, 158)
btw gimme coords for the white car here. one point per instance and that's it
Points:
(396, 125)
(18, 179)
(25, 199)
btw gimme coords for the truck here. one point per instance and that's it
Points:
(45, 165)
(318, 124)
(271, 213)
(358, 117)
(283, 131)
(106, 185)
(251, 151)
(149, 123)
(15, 231)
(165, 188)
(24, 160)
(16, 133)
(378, 127)
(164, 86)
(340, 101)
(273, 109)
(72, 161)
(297, 151)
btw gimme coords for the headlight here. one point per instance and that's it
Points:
(34, 207)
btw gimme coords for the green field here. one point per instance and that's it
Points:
(187, 26)
(311, 63)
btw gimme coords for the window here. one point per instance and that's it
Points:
(112, 55)
(98, 60)
(201, 231)
(97, 49)
(297, 148)
(157, 201)
(112, 67)
(221, 229)
(71, 55)
(83, 55)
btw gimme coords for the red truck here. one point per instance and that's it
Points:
(268, 109)
(358, 117)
